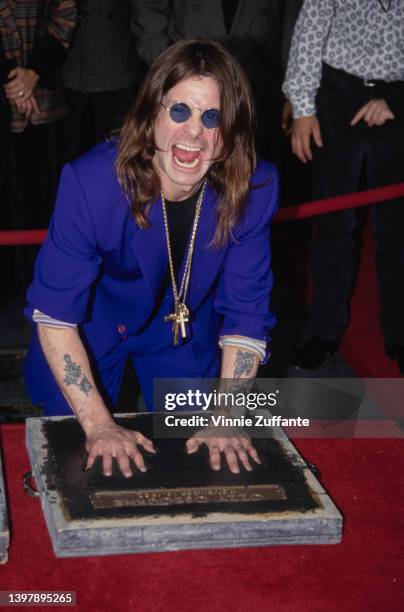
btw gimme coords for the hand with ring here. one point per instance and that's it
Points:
(21, 85)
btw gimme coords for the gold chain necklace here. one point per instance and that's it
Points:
(180, 316)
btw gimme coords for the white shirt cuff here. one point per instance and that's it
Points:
(43, 319)
(251, 344)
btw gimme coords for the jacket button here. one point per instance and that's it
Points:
(263, 12)
(121, 328)
(195, 7)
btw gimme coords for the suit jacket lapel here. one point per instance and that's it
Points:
(212, 12)
(207, 259)
(245, 13)
(151, 251)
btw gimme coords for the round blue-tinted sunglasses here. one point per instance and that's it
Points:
(181, 112)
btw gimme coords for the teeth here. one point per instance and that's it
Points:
(187, 147)
(185, 164)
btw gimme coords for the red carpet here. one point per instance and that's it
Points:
(363, 573)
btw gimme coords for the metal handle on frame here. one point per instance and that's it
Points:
(26, 481)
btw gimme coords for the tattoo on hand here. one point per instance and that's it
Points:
(243, 364)
(74, 376)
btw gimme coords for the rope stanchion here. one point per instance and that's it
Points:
(290, 213)
(338, 203)
(22, 237)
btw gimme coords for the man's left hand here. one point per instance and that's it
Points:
(375, 112)
(237, 447)
(27, 108)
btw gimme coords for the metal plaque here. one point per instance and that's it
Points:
(186, 495)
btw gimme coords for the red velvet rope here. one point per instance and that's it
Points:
(344, 202)
(22, 237)
(290, 213)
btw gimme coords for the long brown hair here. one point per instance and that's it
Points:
(230, 175)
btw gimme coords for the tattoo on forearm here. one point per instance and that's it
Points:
(243, 364)
(74, 376)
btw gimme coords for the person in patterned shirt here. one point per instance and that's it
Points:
(345, 81)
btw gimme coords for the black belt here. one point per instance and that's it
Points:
(365, 82)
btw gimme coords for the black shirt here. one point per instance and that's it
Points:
(229, 11)
(180, 218)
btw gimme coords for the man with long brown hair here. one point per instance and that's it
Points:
(257, 32)
(158, 251)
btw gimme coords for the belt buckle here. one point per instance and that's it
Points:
(369, 83)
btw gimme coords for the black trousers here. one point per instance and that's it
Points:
(354, 158)
(28, 182)
(92, 117)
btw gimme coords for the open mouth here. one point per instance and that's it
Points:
(187, 156)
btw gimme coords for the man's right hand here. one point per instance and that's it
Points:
(67, 357)
(110, 440)
(303, 130)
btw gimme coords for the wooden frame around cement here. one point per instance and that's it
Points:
(181, 532)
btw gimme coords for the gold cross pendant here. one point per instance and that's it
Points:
(173, 317)
(179, 318)
(182, 314)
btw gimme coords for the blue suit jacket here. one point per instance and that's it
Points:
(98, 268)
